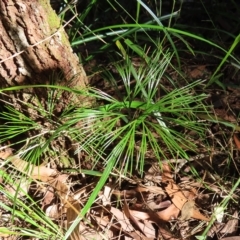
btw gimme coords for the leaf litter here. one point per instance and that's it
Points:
(144, 206)
(146, 209)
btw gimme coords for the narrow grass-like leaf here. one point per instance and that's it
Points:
(228, 54)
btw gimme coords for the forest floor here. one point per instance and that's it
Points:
(196, 197)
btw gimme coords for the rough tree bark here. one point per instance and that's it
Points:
(33, 45)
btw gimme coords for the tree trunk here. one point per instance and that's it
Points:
(34, 46)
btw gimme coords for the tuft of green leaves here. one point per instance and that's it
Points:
(120, 131)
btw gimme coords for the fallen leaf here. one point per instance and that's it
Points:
(236, 140)
(167, 174)
(199, 216)
(122, 219)
(60, 188)
(166, 234)
(130, 217)
(152, 189)
(198, 72)
(126, 226)
(140, 215)
(19, 187)
(231, 238)
(169, 213)
(48, 197)
(161, 205)
(73, 211)
(179, 199)
(231, 226)
(187, 211)
(35, 172)
(176, 195)
(105, 223)
(158, 172)
(53, 211)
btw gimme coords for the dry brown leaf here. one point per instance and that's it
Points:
(122, 219)
(93, 234)
(236, 140)
(35, 172)
(187, 211)
(19, 188)
(199, 216)
(231, 226)
(60, 188)
(179, 199)
(87, 232)
(231, 238)
(24, 167)
(198, 72)
(225, 115)
(145, 225)
(126, 226)
(80, 193)
(152, 189)
(149, 215)
(157, 172)
(166, 172)
(6, 153)
(148, 228)
(47, 175)
(48, 197)
(131, 218)
(166, 234)
(140, 215)
(72, 206)
(169, 213)
(73, 211)
(53, 212)
(41, 173)
(154, 206)
(176, 195)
